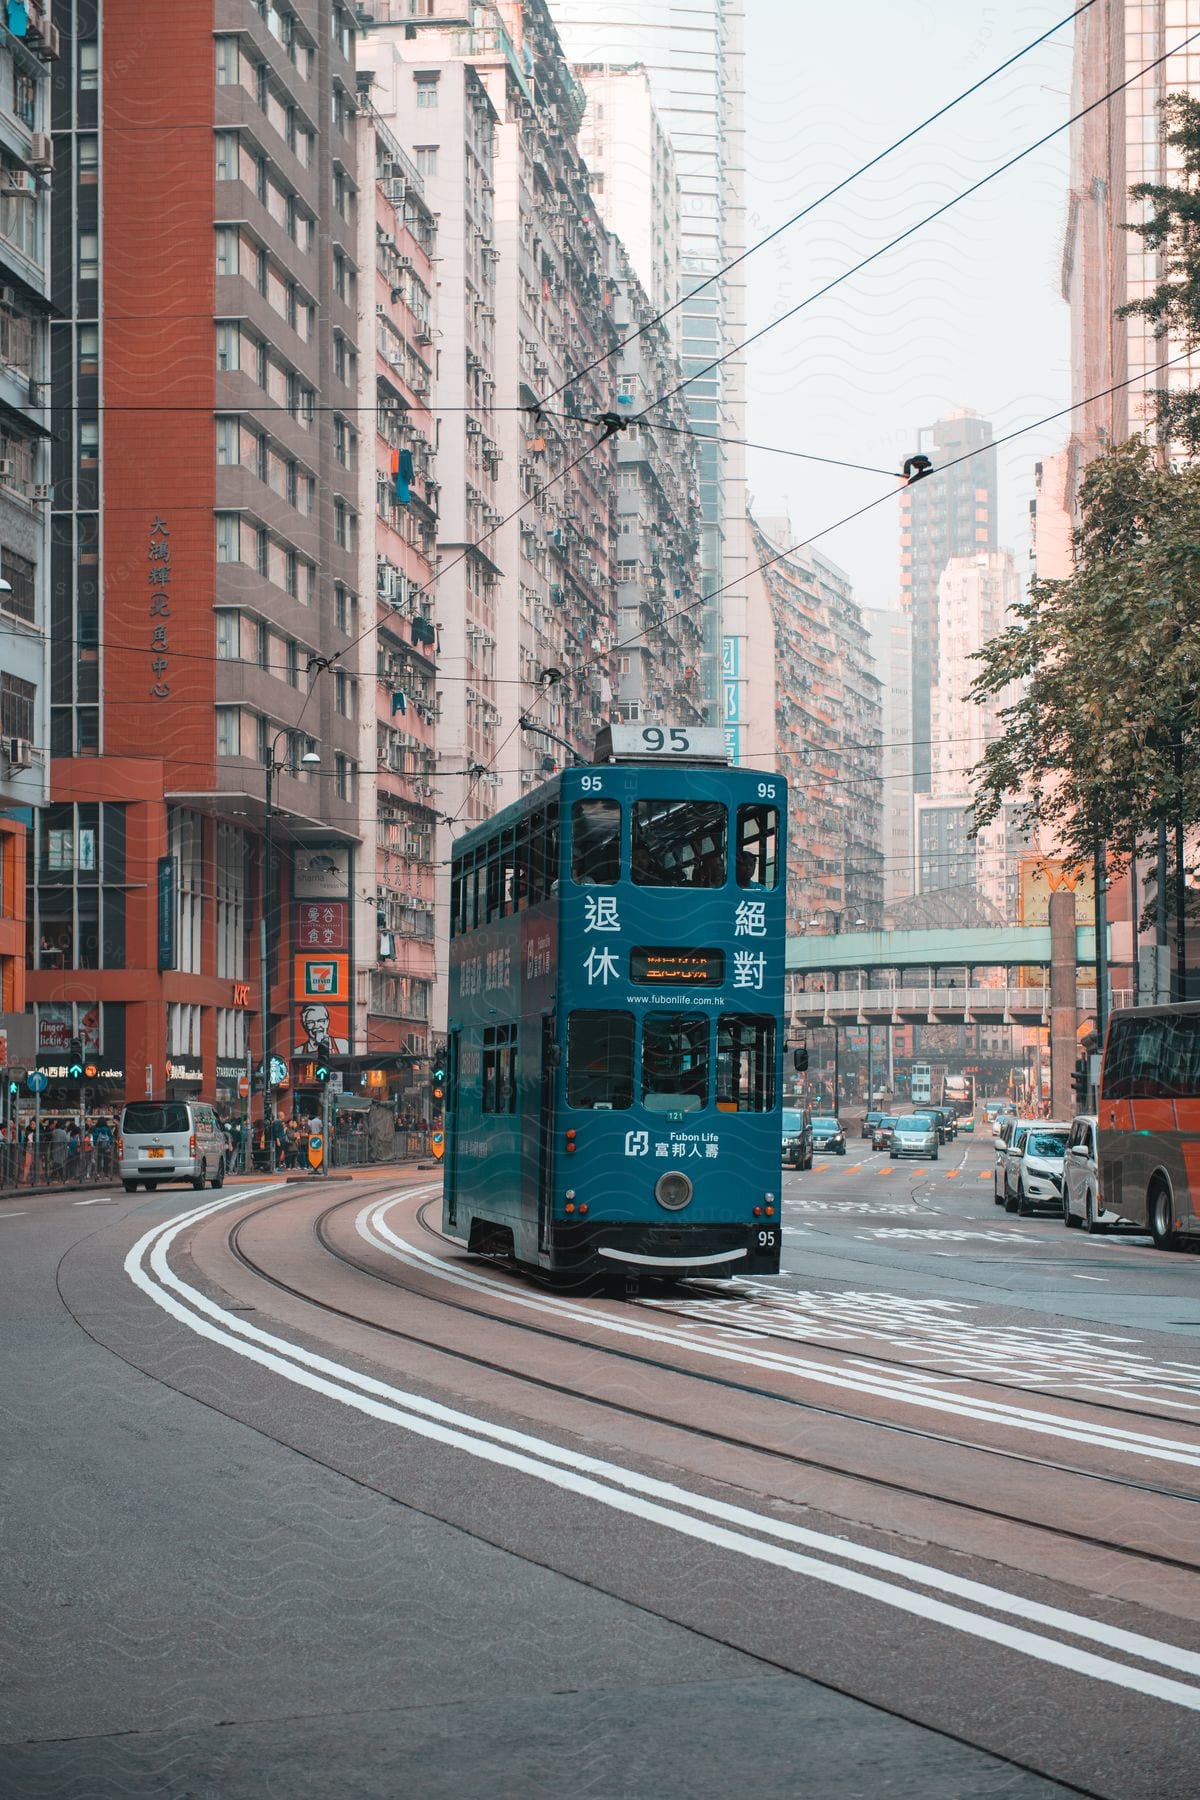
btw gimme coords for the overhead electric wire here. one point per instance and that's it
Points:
(881, 499)
(920, 224)
(846, 180)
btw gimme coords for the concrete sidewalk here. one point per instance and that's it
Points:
(397, 1171)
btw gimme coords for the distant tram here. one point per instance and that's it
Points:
(616, 996)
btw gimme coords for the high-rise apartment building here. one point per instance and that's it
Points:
(976, 595)
(1104, 265)
(695, 68)
(396, 674)
(634, 179)
(828, 715)
(204, 561)
(659, 632)
(891, 647)
(942, 516)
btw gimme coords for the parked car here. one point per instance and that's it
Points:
(797, 1137)
(1083, 1203)
(1038, 1179)
(170, 1140)
(1010, 1136)
(881, 1137)
(915, 1134)
(870, 1122)
(827, 1134)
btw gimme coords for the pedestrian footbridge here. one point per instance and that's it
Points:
(976, 975)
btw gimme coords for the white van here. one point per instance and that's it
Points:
(170, 1140)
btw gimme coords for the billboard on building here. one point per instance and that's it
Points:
(1041, 876)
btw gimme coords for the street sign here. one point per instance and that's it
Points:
(437, 1143)
(316, 1150)
(37, 1082)
(3, 1049)
(243, 1086)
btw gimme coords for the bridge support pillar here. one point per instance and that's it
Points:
(1064, 1020)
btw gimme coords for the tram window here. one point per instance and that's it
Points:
(674, 1062)
(500, 1069)
(473, 906)
(1157, 1058)
(757, 846)
(521, 866)
(596, 842)
(456, 901)
(745, 1063)
(495, 889)
(600, 1060)
(679, 843)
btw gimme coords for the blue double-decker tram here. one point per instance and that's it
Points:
(615, 1015)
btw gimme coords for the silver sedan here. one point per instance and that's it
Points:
(913, 1136)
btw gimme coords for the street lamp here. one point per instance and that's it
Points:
(310, 759)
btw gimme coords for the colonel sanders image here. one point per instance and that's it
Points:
(314, 1019)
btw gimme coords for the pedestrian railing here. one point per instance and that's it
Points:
(52, 1165)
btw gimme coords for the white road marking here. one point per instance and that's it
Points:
(910, 1387)
(93, 1202)
(16, 1215)
(686, 1512)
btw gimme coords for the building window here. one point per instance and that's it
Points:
(427, 91)
(230, 895)
(228, 545)
(89, 255)
(293, 663)
(229, 731)
(89, 64)
(228, 243)
(229, 345)
(427, 159)
(24, 97)
(19, 573)
(228, 636)
(187, 847)
(16, 707)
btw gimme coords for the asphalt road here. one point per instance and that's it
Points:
(916, 1519)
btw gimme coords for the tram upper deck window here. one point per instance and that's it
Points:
(679, 843)
(596, 842)
(674, 1062)
(600, 1060)
(757, 846)
(745, 1063)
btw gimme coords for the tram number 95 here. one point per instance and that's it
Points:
(767, 1238)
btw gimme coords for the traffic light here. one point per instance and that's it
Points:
(321, 1070)
(437, 1083)
(1079, 1081)
(75, 1059)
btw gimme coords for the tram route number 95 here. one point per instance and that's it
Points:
(767, 1238)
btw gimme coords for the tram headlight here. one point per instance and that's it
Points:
(673, 1190)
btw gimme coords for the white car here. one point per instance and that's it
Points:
(1037, 1178)
(1010, 1135)
(1082, 1201)
(916, 1134)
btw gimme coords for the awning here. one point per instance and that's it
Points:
(352, 1102)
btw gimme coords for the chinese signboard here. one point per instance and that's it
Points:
(322, 925)
(158, 557)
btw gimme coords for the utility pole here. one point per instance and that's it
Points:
(1099, 879)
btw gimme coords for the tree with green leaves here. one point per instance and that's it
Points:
(1100, 673)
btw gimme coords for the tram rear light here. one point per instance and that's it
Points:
(583, 1207)
(758, 1212)
(770, 1212)
(570, 1206)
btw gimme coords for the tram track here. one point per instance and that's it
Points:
(743, 1390)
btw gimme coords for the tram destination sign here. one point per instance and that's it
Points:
(677, 968)
(661, 743)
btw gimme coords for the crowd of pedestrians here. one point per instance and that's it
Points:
(65, 1151)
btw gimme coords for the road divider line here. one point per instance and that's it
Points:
(719, 1524)
(915, 1390)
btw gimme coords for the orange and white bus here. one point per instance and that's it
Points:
(1149, 1118)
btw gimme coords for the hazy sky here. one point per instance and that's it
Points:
(967, 312)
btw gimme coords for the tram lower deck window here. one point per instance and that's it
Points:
(679, 843)
(674, 1062)
(600, 1060)
(745, 1062)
